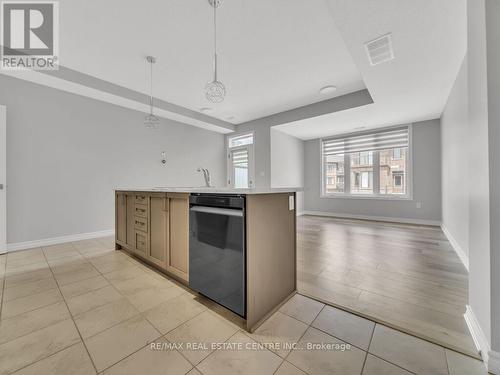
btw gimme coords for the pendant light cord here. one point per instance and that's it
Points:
(215, 39)
(151, 88)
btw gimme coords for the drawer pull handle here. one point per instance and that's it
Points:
(140, 223)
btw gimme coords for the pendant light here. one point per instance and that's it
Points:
(215, 91)
(151, 121)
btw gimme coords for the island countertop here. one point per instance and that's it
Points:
(215, 190)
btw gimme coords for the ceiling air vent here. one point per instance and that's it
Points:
(380, 50)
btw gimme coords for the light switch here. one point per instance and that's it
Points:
(291, 202)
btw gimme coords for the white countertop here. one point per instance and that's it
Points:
(215, 190)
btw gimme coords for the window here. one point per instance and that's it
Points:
(376, 164)
(240, 168)
(366, 180)
(331, 167)
(366, 158)
(398, 179)
(240, 161)
(240, 140)
(393, 171)
(334, 174)
(361, 172)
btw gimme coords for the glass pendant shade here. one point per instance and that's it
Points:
(215, 91)
(151, 122)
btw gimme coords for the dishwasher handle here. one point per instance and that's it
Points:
(217, 211)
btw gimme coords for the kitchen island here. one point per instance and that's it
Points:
(159, 224)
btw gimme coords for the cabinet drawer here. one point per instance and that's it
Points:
(141, 223)
(141, 199)
(141, 210)
(141, 242)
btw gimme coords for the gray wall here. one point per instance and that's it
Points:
(262, 128)
(287, 160)
(66, 153)
(262, 151)
(426, 182)
(479, 203)
(454, 158)
(287, 163)
(470, 136)
(493, 63)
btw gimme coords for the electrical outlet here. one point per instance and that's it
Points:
(418, 204)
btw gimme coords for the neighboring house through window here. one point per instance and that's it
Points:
(371, 164)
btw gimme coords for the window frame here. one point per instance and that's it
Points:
(251, 159)
(376, 171)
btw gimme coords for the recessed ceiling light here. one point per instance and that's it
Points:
(206, 110)
(327, 90)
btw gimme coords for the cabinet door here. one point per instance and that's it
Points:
(159, 222)
(130, 222)
(178, 252)
(141, 244)
(121, 217)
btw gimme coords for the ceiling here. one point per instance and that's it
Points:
(429, 40)
(273, 55)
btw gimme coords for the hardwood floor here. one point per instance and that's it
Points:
(404, 276)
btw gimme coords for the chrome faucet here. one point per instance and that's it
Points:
(206, 175)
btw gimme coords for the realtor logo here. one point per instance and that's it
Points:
(29, 35)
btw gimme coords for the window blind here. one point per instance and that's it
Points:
(240, 140)
(379, 140)
(240, 159)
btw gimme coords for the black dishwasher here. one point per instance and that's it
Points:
(217, 251)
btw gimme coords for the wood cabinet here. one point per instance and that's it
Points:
(178, 252)
(159, 225)
(271, 254)
(130, 242)
(155, 227)
(121, 218)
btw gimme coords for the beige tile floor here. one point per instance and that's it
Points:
(83, 308)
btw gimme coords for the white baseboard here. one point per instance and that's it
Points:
(57, 240)
(374, 218)
(480, 340)
(458, 249)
